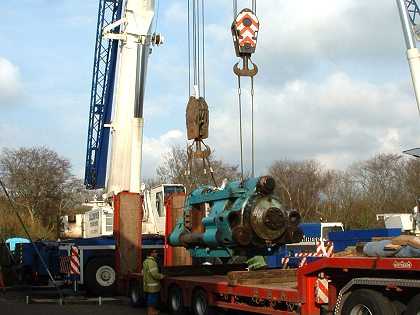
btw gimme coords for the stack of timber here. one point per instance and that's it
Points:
(262, 276)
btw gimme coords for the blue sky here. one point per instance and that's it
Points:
(333, 81)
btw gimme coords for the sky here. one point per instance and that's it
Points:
(333, 81)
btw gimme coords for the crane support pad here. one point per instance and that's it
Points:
(129, 223)
(262, 276)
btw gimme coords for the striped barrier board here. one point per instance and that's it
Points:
(321, 291)
(74, 261)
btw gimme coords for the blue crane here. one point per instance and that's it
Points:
(102, 93)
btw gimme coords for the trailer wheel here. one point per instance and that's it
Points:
(365, 301)
(201, 304)
(413, 307)
(176, 303)
(100, 276)
(135, 294)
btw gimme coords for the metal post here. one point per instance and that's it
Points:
(413, 54)
(406, 24)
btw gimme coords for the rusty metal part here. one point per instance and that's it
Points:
(198, 152)
(274, 218)
(197, 118)
(294, 217)
(242, 235)
(245, 71)
(266, 185)
(191, 239)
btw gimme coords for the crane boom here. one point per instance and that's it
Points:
(409, 12)
(125, 166)
(102, 94)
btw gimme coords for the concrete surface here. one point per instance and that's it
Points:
(46, 302)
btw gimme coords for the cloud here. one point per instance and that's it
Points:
(154, 150)
(333, 82)
(337, 121)
(11, 87)
(301, 38)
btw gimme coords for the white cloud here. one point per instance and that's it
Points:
(154, 150)
(11, 87)
(298, 38)
(333, 81)
(337, 121)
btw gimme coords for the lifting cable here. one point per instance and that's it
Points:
(245, 29)
(197, 113)
(32, 242)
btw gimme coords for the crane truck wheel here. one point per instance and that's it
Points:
(100, 276)
(135, 295)
(413, 307)
(366, 301)
(201, 304)
(175, 301)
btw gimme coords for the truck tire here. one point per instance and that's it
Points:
(135, 295)
(175, 301)
(201, 304)
(413, 307)
(100, 277)
(366, 301)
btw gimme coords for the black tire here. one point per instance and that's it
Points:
(413, 307)
(100, 278)
(365, 301)
(399, 307)
(136, 299)
(201, 304)
(175, 301)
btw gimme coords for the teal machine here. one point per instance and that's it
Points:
(243, 218)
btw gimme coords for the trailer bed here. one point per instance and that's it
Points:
(289, 291)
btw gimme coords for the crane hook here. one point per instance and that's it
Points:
(245, 71)
(245, 29)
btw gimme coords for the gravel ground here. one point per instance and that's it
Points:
(45, 302)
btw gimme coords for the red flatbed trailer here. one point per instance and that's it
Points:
(329, 285)
(396, 280)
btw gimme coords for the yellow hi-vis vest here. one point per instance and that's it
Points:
(151, 275)
(256, 262)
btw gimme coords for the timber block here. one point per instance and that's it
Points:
(262, 276)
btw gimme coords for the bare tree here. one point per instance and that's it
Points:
(381, 183)
(39, 181)
(412, 182)
(301, 184)
(173, 170)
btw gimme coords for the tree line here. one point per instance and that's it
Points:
(41, 187)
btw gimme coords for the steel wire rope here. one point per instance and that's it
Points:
(196, 65)
(252, 126)
(235, 12)
(194, 35)
(32, 242)
(240, 128)
(203, 48)
(189, 50)
(196, 49)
